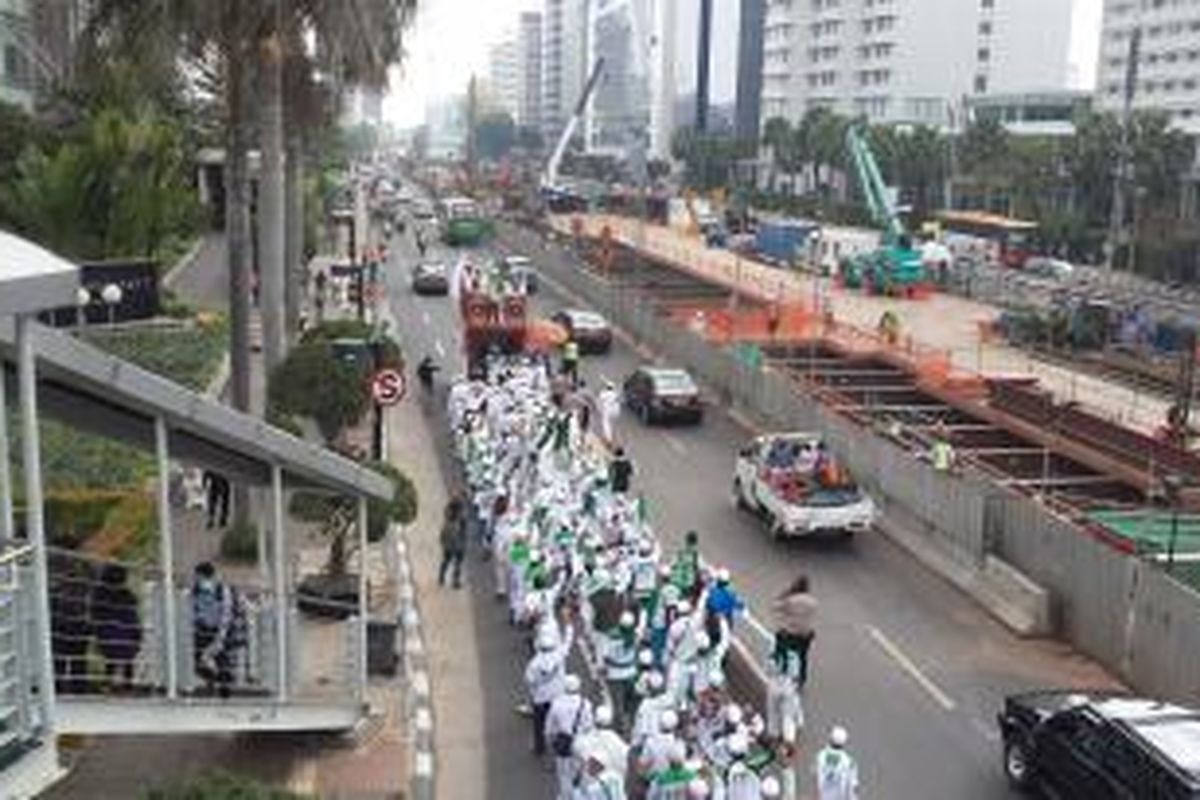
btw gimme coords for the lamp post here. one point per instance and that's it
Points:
(83, 299)
(111, 294)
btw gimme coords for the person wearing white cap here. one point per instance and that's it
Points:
(596, 781)
(835, 768)
(604, 742)
(544, 678)
(569, 717)
(656, 752)
(698, 789)
(671, 783)
(770, 788)
(620, 666)
(655, 702)
(608, 402)
(742, 783)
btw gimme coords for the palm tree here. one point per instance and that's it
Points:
(776, 135)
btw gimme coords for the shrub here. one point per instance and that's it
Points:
(129, 530)
(189, 355)
(240, 543)
(219, 787)
(75, 515)
(340, 401)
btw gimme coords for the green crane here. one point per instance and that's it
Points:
(896, 267)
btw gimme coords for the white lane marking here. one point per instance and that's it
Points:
(896, 654)
(676, 445)
(441, 351)
(425, 317)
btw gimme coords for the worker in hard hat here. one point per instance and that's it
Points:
(835, 769)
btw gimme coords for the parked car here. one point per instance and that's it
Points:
(1054, 269)
(1100, 746)
(523, 270)
(663, 394)
(589, 330)
(423, 210)
(430, 278)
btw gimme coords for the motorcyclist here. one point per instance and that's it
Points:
(425, 372)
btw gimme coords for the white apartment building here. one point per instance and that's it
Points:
(17, 42)
(1168, 69)
(635, 96)
(529, 69)
(565, 64)
(504, 82)
(909, 60)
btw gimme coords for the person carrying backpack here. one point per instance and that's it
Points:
(218, 629)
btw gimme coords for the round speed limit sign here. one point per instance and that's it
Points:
(388, 387)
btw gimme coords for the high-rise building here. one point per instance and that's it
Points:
(664, 87)
(529, 69)
(504, 82)
(18, 47)
(748, 108)
(565, 65)
(1167, 77)
(894, 61)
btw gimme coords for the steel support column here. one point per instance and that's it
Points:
(282, 604)
(6, 508)
(35, 524)
(166, 554)
(362, 595)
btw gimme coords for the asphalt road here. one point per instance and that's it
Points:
(908, 664)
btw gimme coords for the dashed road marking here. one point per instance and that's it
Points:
(676, 445)
(441, 350)
(425, 318)
(906, 664)
(424, 765)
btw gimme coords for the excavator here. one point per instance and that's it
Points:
(896, 267)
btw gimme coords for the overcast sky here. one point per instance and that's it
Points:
(450, 40)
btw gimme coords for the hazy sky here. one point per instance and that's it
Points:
(450, 40)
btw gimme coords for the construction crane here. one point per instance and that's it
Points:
(550, 177)
(896, 267)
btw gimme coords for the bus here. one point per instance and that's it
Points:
(464, 222)
(982, 236)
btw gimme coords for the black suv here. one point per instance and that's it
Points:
(1097, 746)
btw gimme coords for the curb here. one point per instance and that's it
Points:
(172, 275)
(419, 705)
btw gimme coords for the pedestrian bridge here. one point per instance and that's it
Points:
(68, 665)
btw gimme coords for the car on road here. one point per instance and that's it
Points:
(589, 330)
(429, 277)
(423, 210)
(523, 270)
(794, 483)
(663, 394)
(1100, 746)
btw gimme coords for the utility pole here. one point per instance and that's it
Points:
(1118, 233)
(703, 49)
(472, 109)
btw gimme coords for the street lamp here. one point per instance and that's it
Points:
(111, 294)
(1173, 489)
(83, 299)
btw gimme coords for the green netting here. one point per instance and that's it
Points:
(1150, 531)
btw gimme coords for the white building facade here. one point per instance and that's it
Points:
(504, 83)
(634, 102)
(905, 61)
(1168, 69)
(17, 46)
(565, 64)
(529, 69)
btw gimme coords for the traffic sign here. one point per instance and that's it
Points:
(388, 387)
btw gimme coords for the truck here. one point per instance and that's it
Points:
(783, 241)
(798, 488)
(465, 224)
(493, 305)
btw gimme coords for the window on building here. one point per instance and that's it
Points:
(986, 3)
(983, 54)
(16, 68)
(985, 28)
(981, 83)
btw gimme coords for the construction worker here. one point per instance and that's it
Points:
(836, 771)
(570, 361)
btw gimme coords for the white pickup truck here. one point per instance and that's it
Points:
(794, 484)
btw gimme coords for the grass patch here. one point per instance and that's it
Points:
(189, 355)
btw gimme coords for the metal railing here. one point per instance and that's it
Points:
(18, 710)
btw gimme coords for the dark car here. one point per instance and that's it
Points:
(430, 278)
(1101, 746)
(522, 270)
(663, 394)
(589, 330)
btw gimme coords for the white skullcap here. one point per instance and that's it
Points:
(838, 737)
(668, 720)
(723, 575)
(546, 640)
(733, 714)
(645, 657)
(770, 787)
(697, 788)
(604, 716)
(656, 681)
(572, 684)
(703, 642)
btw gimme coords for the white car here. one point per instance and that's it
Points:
(792, 482)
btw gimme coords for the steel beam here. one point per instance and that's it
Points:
(35, 523)
(6, 507)
(282, 602)
(1062, 481)
(166, 554)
